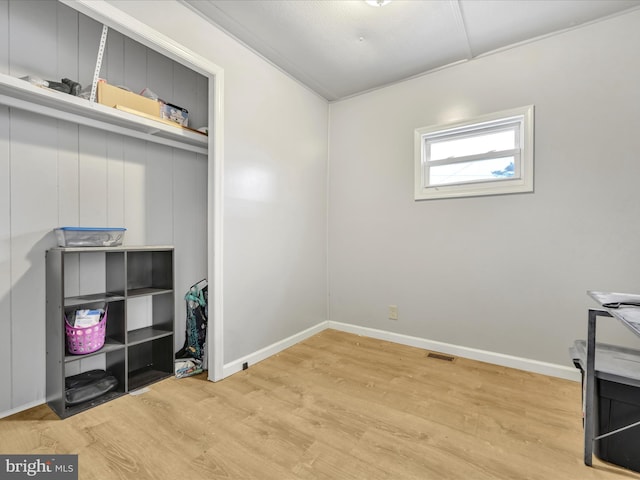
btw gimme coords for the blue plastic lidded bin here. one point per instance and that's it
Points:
(89, 236)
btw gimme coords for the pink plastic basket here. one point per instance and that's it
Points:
(81, 341)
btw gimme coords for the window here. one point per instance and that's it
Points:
(489, 155)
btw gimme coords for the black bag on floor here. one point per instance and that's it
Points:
(88, 386)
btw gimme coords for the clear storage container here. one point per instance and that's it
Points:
(89, 236)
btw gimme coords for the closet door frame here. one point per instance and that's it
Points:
(138, 31)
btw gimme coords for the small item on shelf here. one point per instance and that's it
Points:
(65, 86)
(83, 340)
(59, 86)
(89, 236)
(85, 92)
(176, 114)
(87, 318)
(74, 87)
(148, 93)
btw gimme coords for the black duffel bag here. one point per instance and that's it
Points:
(88, 386)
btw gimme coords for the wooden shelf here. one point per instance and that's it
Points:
(23, 95)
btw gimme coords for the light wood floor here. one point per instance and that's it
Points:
(336, 406)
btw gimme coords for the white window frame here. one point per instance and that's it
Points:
(520, 119)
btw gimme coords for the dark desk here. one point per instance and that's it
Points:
(630, 317)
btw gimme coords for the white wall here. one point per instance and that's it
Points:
(506, 274)
(275, 153)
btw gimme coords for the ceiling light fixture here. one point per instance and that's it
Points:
(378, 3)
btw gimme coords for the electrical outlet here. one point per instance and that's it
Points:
(393, 312)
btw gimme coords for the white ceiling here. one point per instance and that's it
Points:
(339, 48)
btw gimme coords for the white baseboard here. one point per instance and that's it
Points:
(255, 357)
(22, 408)
(526, 364)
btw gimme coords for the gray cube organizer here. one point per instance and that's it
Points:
(136, 353)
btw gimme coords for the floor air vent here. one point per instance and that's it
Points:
(440, 356)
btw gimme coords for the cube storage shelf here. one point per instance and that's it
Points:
(136, 353)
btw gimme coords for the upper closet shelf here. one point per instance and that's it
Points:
(21, 94)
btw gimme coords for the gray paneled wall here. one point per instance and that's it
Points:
(54, 173)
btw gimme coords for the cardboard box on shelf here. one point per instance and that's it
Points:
(113, 96)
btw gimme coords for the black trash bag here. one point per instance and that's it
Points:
(197, 299)
(88, 386)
